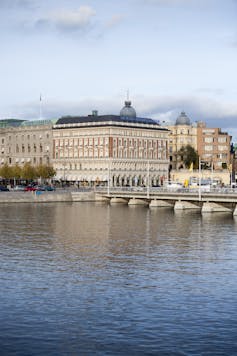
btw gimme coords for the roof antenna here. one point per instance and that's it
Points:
(128, 95)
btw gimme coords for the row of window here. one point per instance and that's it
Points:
(28, 137)
(89, 168)
(122, 133)
(120, 153)
(215, 139)
(104, 141)
(33, 160)
(218, 156)
(220, 148)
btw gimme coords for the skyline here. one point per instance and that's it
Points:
(172, 55)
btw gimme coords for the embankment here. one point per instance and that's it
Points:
(45, 197)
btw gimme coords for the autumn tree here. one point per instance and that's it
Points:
(29, 172)
(16, 172)
(45, 171)
(6, 171)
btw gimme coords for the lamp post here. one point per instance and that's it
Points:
(200, 177)
(108, 187)
(63, 164)
(230, 170)
(148, 179)
(199, 180)
(212, 168)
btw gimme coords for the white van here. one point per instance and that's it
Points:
(173, 185)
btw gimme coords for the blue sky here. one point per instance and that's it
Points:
(171, 55)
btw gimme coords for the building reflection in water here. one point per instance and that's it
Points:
(101, 233)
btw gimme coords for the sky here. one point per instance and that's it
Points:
(79, 56)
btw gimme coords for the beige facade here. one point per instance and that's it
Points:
(179, 136)
(107, 148)
(211, 144)
(30, 142)
(121, 150)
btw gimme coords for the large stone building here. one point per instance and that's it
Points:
(25, 142)
(123, 150)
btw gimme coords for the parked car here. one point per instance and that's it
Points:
(3, 188)
(19, 188)
(49, 188)
(40, 188)
(173, 185)
(30, 188)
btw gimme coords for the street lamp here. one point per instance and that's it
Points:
(108, 187)
(199, 185)
(199, 170)
(148, 179)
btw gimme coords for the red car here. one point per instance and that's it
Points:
(30, 188)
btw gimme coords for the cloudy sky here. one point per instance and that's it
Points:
(171, 55)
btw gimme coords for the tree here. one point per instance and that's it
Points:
(6, 171)
(29, 172)
(188, 156)
(16, 172)
(45, 171)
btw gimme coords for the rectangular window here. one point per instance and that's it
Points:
(222, 139)
(208, 148)
(208, 139)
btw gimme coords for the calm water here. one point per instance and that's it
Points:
(86, 279)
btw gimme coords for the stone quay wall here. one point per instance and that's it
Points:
(45, 197)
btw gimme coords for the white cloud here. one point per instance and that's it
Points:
(163, 108)
(70, 19)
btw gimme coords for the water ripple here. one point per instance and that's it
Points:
(94, 279)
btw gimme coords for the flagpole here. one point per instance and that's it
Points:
(40, 107)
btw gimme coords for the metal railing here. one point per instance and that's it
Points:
(212, 190)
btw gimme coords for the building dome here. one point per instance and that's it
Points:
(182, 119)
(128, 110)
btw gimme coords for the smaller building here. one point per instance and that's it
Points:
(181, 134)
(23, 141)
(214, 147)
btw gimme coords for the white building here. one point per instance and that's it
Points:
(123, 149)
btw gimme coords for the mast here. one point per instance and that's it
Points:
(40, 107)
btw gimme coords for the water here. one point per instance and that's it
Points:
(88, 279)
